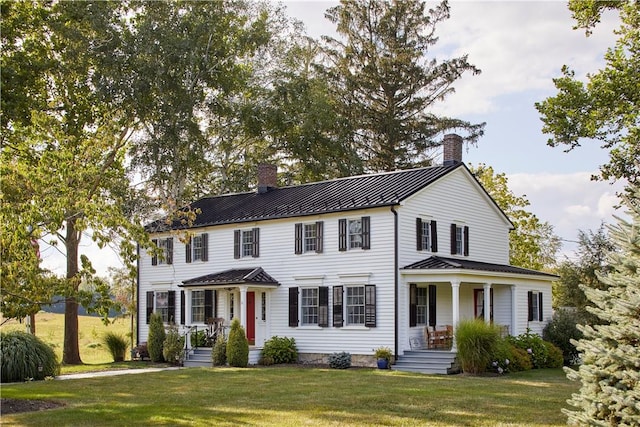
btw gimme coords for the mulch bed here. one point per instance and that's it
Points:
(14, 406)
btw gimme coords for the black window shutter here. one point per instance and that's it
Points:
(419, 234)
(171, 307)
(236, 244)
(454, 249)
(413, 304)
(298, 238)
(208, 304)
(205, 247)
(434, 236)
(466, 241)
(338, 318)
(256, 243)
(187, 251)
(319, 236)
(149, 306)
(366, 232)
(293, 307)
(342, 235)
(370, 306)
(540, 306)
(530, 305)
(154, 258)
(182, 309)
(323, 306)
(170, 250)
(432, 305)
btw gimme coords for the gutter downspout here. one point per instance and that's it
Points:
(395, 281)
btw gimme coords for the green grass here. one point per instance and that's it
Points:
(282, 396)
(50, 328)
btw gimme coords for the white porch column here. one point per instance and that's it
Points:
(487, 302)
(243, 306)
(455, 299)
(514, 312)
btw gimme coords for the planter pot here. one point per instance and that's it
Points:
(383, 364)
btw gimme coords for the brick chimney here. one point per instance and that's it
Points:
(452, 149)
(267, 177)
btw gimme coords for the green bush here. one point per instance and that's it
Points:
(555, 358)
(520, 359)
(501, 357)
(157, 335)
(476, 341)
(533, 344)
(26, 357)
(340, 360)
(237, 346)
(280, 350)
(116, 344)
(198, 339)
(266, 361)
(173, 346)
(219, 352)
(560, 330)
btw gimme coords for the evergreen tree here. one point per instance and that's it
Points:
(237, 346)
(157, 335)
(610, 373)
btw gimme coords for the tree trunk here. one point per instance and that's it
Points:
(32, 324)
(71, 349)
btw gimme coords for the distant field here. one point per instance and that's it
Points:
(50, 328)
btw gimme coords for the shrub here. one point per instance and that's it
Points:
(219, 352)
(501, 357)
(476, 343)
(555, 358)
(26, 357)
(141, 351)
(340, 360)
(237, 346)
(520, 359)
(560, 330)
(281, 350)
(266, 361)
(116, 344)
(198, 339)
(172, 349)
(533, 345)
(157, 335)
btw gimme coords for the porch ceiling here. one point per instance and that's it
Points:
(234, 277)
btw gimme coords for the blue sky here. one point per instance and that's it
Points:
(520, 46)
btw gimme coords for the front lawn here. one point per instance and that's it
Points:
(295, 396)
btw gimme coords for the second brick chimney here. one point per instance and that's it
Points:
(267, 177)
(452, 149)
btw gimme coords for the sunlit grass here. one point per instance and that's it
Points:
(298, 396)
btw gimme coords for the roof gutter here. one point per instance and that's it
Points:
(395, 280)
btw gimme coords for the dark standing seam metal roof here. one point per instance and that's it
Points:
(443, 263)
(338, 195)
(236, 276)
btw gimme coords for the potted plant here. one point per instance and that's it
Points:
(384, 356)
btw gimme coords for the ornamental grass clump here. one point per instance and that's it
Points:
(476, 343)
(237, 346)
(26, 357)
(116, 344)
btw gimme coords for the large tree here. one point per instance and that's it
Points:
(605, 108)
(386, 85)
(609, 374)
(64, 141)
(532, 244)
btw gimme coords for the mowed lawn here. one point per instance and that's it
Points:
(295, 396)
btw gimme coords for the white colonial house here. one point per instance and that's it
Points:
(349, 264)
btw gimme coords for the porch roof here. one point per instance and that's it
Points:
(444, 263)
(235, 276)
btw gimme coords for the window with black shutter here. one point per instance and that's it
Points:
(454, 245)
(171, 307)
(323, 306)
(338, 314)
(413, 303)
(298, 238)
(342, 235)
(466, 241)
(150, 299)
(256, 242)
(293, 307)
(319, 236)
(366, 232)
(530, 305)
(182, 308)
(237, 236)
(370, 306)
(434, 237)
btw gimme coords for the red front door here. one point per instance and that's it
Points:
(251, 317)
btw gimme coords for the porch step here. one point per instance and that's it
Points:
(427, 362)
(201, 357)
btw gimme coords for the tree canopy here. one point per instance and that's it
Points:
(605, 108)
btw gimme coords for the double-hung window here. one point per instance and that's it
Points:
(426, 235)
(162, 305)
(308, 237)
(354, 233)
(197, 306)
(166, 247)
(422, 307)
(535, 305)
(309, 306)
(459, 240)
(197, 249)
(355, 305)
(246, 243)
